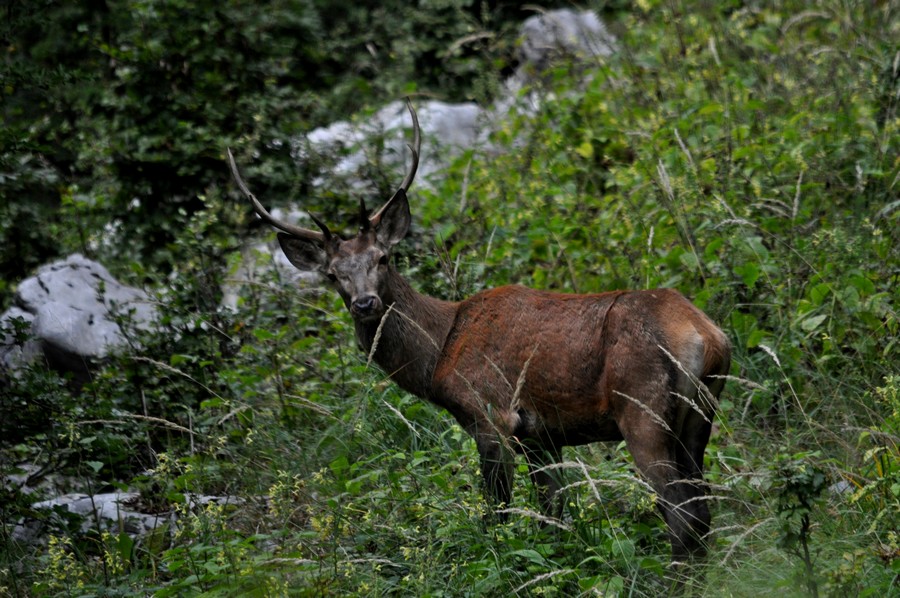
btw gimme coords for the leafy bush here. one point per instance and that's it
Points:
(118, 113)
(743, 154)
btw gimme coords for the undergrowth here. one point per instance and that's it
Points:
(746, 155)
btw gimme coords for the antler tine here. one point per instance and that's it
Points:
(297, 231)
(364, 222)
(417, 142)
(415, 148)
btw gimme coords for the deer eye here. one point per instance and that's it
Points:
(331, 276)
(383, 260)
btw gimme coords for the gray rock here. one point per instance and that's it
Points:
(564, 32)
(546, 38)
(446, 129)
(72, 306)
(113, 511)
(841, 488)
(449, 129)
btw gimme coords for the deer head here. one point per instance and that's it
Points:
(358, 267)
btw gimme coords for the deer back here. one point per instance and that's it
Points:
(556, 366)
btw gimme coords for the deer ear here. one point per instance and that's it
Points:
(304, 254)
(395, 220)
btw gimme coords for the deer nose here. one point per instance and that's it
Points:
(365, 305)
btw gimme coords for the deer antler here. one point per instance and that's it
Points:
(367, 222)
(375, 219)
(303, 233)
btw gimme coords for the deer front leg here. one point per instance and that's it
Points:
(496, 470)
(497, 462)
(490, 426)
(546, 481)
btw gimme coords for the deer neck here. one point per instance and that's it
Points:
(407, 342)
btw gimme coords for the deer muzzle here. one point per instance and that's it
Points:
(366, 307)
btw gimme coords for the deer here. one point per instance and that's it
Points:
(527, 371)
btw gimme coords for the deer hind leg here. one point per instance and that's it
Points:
(690, 449)
(656, 453)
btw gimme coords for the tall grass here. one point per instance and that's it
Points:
(743, 154)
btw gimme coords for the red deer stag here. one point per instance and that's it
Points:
(527, 371)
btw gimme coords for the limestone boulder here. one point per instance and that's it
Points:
(70, 311)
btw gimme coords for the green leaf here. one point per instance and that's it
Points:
(749, 273)
(585, 150)
(756, 337)
(710, 108)
(862, 284)
(262, 334)
(124, 546)
(177, 359)
(813, 322)
(530, 555)
(818, 293)
(339, 465)
(623, 548)
(689, 260)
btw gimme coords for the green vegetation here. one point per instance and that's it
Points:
(743, 153)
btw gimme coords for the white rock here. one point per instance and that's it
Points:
(72, 305)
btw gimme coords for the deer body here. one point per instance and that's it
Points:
(527, 371)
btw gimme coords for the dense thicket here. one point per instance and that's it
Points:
(745, 153)
(120, 109)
